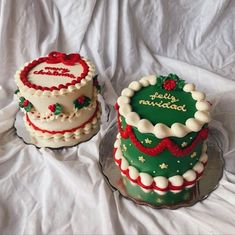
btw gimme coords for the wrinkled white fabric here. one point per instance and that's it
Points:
(63, 191)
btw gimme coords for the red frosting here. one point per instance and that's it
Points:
(169, 85)
(64, 131)
(163, 144)
(153, 186)
(54, 58)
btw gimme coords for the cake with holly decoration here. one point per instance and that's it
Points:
(58, 95)
(161, 145)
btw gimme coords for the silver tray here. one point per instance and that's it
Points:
(209, 182)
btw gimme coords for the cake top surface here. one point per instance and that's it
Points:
(49, 75)
(164, 106)
(165, 102)
(57, 72)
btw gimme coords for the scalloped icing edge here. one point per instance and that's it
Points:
(160, 130)
(62, 91)
(160, 181)
(67, 136)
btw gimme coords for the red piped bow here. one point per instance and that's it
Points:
(58, 57)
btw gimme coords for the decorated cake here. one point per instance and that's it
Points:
(161, 145)
(58, 95)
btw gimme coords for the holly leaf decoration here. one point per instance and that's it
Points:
(170, 82)
(25, 104)
(55, 108)
(96, 83)
(58, 109)
(81, 102)
(17, 91)
(28, 107)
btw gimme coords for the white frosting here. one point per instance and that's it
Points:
(51, 80)
(176, 180)
(198, 167)
(201, 117)
(146, 179)
(190, 175)
(63, 121)
(203, 158)
(124, 164)
(77, 134)
(133, 172)
(161, 181)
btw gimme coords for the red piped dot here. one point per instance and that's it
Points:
(61, 86)
(25, 103)
(83, 75)
(51, 107)
(73, 82)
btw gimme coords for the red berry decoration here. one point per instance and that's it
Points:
(52, 107)
(169, 85)
(25, 103)
(81, 100)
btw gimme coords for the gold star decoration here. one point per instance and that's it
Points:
(163, 166)
(159, 200)
(141, 159)
(184, 144)
(124, 147)
(148, 141)
(194, 154)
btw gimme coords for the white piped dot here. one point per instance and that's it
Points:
(198, 167)
(127, 92)
(135, 86)
(189, 87)
(146, 179)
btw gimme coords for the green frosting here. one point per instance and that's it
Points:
(155, 199)
(159, 105)
(164, 164)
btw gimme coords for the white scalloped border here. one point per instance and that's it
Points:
(62, 91)
(67, 136)
(160, 130)
(160, 181)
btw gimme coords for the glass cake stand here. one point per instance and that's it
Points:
(212, 174)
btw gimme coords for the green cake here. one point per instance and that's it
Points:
(161, 145)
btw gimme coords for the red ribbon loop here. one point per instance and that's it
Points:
(58, 57)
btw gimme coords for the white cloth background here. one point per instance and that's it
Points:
(63, 192)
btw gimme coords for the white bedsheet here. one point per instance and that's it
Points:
(63, 192)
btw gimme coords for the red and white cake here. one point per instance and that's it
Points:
(58, 95)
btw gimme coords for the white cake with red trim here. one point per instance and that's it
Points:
(58, 94)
